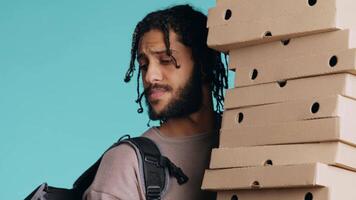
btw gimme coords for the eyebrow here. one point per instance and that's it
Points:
(143, 55)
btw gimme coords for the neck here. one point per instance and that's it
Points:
(202, 121)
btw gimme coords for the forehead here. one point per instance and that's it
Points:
(153, 41)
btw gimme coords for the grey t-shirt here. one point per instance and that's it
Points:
(119, 176)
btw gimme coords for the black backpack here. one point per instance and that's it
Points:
(154, 167)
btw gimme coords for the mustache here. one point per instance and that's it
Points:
(148, 90)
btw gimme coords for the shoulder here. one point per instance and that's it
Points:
(125, 155)
(118, 175)
(119, 156)
(118, 163)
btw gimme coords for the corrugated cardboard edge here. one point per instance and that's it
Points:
(317, 130)
(295, 68)
(267, 177)
(302, 88)
(313, 108)
(285, 194)
(330, 153)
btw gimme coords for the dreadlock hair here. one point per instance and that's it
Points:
(190, 26)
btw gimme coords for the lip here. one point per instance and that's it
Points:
(156, 94)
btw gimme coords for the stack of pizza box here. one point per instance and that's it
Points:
(289, 126)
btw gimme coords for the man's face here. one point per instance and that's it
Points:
(170, 91)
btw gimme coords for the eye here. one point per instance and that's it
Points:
(143, 67)
(166, 61)
(142, 62)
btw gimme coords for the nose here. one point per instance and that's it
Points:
(153, 74)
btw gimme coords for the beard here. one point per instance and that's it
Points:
(186, 100)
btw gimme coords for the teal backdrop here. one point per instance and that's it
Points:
(62, 96)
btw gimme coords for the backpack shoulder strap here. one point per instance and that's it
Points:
(154, 167)
(154, 175)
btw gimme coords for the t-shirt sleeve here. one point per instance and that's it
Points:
(118, 176)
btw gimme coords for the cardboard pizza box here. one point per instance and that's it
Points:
(296, 110)
(296, 67)
(331, 153)
(257, 55)
(334, 84)
(305, 131)
(234, 24)
(278, 176)
(316, 193)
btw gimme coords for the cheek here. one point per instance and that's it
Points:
(177, 85)
(182, 77)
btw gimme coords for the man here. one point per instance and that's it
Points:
(180, 76)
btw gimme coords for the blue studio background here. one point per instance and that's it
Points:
(62, 96)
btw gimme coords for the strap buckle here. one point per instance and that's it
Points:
(153, 192)
(152, 160)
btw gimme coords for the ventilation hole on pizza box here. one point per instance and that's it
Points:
(315, 107)
(282, 83)
(312, 2)
(267, 34)
(285, 42)
(254, 74)
(240, 117)
(228, 14)
(255, 184)
(234, 197)
(308, 196)
(333, 61)
(268, 163)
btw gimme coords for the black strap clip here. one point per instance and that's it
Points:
(153, 192)
(152, 160)
(174, 170)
